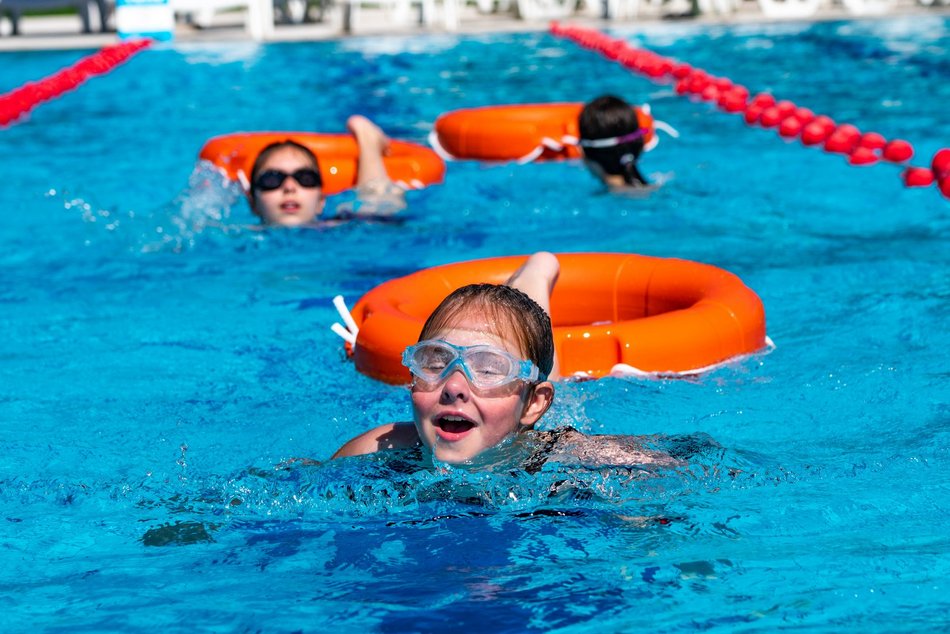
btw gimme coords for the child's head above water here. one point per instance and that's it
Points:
(286, 188)
(612, 139)
(510, 313)
(480, 370)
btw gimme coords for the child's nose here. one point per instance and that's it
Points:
(456, 387)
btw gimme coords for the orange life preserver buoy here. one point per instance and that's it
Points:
(519, 132)
(653, 314)
(409, 164)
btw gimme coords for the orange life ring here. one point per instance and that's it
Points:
(518, 132)
(409, 164)
(654, 314)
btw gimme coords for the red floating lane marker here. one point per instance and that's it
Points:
(682, 70)
(20, 101)
(815, 133)
(941, 163)
(873, 141)
(710, 93)
(763, 109)
(863, 156)
(785, 108)
(770, 117)
(804, 115)
(898, 151)
(944, 185)
(917, 177)
(790, 127)
(826, 122)
(733, 101)
(752, 113)
(843, 140)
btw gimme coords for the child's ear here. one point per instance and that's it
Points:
(538, 402)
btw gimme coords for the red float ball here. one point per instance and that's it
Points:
(917, 177)
(872, 140)
(862, 156)
(698, 83)
(771, 117)
(785, 108)
(682, 70)
(898, 151)
(732, 102)
(841, 142)
(740, 90)
(804, 115)
(941, 163)
(944, 185)
(850, 131)
(814, 133)
(790, 127)
(752, 113)
(709, 93)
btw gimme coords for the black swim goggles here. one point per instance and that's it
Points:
(433, 360)
(269, 180)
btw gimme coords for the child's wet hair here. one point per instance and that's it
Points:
(606, 117)
(264, 154)
(514, 315)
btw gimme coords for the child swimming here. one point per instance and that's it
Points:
(612, 141)
(482, 376)
(286, 187)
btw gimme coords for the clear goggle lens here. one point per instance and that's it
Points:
(485, 366)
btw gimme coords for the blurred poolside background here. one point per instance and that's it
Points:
(58, 24)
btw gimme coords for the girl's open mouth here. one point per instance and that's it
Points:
(453, 427)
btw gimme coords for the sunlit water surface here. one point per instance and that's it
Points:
(170, 390)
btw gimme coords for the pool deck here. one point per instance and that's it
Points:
(65, 32)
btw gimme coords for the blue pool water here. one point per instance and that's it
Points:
(164, 365)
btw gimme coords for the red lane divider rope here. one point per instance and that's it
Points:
(20, 101)
(790, 121)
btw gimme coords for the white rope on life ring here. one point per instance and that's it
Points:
(351, 330)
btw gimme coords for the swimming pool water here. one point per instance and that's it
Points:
(165, 365)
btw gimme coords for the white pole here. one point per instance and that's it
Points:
(260, 19)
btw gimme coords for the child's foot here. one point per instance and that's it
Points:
(369, 136)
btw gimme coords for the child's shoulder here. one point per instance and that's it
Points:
(388, 436)
(571, 445)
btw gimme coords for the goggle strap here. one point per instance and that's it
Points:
(614, 140)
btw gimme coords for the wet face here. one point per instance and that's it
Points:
(457, 421)
(290, 205)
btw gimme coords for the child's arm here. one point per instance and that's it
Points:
(613, 449)
(391, 436)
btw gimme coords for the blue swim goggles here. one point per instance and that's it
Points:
(433, 360)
